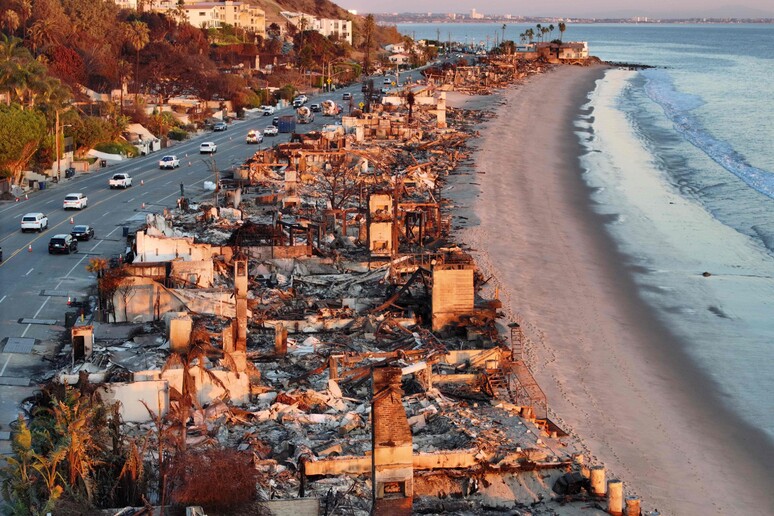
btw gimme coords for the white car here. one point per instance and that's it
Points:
(76, 201)
(34, 222)
(271, 131)
(122, 180)
(208, 148)
(254, 137)
(169, 162)
(267, 110)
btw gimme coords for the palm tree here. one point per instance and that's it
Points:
(124, 72)
(44, 32)
(562, 28)
(504, 25)
(25, 11)
(539, 31)
(530, 34)
(138, 36)
(369, 27)
(551, 30)
(10, 20)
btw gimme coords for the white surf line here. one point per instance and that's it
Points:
(49, 297)
(28, 272)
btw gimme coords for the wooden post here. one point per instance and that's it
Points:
(598, 480)
(633, 506)
(615, 497)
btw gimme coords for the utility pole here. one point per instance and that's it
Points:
(56, 137)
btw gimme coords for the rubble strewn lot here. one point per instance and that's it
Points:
(313, 314)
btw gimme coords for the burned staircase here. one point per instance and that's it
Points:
(513, 381)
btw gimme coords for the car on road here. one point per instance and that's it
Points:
(271, 131)
(169, 162)
(384, 90)
(267, 110)
(254, 137)
(208, 148)
(82, 232)
(1, 254)
(346, 96)
(121, 180)
(275, 121)
(303, 99)
(76, 201)
(387, 80)
(220, 126)
(63, 243)
(315, 108)
(34, 222)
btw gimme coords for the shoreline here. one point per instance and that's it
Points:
(614, 375)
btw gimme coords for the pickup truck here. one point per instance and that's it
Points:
(120, 181)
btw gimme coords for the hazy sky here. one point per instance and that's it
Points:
(593, 8)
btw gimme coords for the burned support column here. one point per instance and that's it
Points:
(392, 464)
(633, 506)
(240, 293)
(597, 479)
(280, 340)
(440, 110)
(615, 497)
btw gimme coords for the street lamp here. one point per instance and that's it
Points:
(58, 157)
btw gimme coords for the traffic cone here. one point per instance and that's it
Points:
(26, 197)
(29, 248)
(143, 206)
(142, 182)
(17, 199)
(72, 220)
(69, 300)
(189, 163)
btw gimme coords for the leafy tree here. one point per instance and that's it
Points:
(21, 131)
(66, 64)
(31, 483)
(273, 31)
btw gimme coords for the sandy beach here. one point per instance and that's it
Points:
(614, 377)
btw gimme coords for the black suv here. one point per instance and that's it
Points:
(62, 244)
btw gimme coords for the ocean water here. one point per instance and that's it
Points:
(680, 158)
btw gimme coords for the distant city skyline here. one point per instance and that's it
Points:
(589, 9)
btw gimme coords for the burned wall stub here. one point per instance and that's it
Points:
(392, 445)
(453, 294)
(381, 231)
(240, 293)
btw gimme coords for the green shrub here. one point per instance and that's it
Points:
(178, 134)
(122, 148)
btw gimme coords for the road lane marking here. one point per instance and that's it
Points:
(3, 299)
(49, 297)
(119, 227)
(28, 272)
(6, 364)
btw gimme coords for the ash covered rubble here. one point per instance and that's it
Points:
(313, 312)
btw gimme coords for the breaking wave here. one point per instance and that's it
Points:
(678, 106)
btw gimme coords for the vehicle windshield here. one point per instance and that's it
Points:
(80, 228)
(71, 198)
(29, 219)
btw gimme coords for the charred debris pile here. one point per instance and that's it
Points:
(309, 309)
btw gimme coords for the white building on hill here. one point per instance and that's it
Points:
(341, 29)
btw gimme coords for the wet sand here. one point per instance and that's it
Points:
(614, 377)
